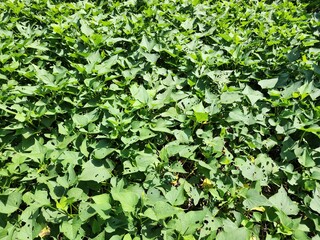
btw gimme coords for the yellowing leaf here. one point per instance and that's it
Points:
(259, 209)
(207, 183)
(44, 232)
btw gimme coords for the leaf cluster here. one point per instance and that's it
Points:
(169, 119)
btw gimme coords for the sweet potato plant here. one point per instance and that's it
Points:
(159, 119)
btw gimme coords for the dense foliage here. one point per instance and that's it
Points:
(159, 119)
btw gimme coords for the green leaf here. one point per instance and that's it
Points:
(188, 223)
(159, 119)
(106, 66)
(289, 225)
(252, 95)
(189, 237)
(192, 192)
(250, 170)
(20, 117)
(72, 228)
(127, 237)
(83, 120)
(41, 198)
(147, 44)
(102, 205)
(237, 115)
(200, 113)
(86, 211)
(152, 58)
(230, 97)
(45, 77)
(316, 69)
(101, 153)
(83, 148)
(306, 160)
(294, 54)
(153, 195)
(185, 151)
(145, 134)
(268, 83)
(94, 57)
(176, 196)
(254, 199)
(188, 24)
(10, 203)
(282, 202)
(183, 136)
(128, 199)
(94, 170)
(69, 157)
(315, 201)
(161, 210)
(176, 168)
(210, 226)
(139, 93)
(238, 233)
(37, 45)
(143, 162)
(85, 28)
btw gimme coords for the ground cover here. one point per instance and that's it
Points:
(170, 119)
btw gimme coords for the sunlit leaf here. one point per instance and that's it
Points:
(94, 170)
(282, 202)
